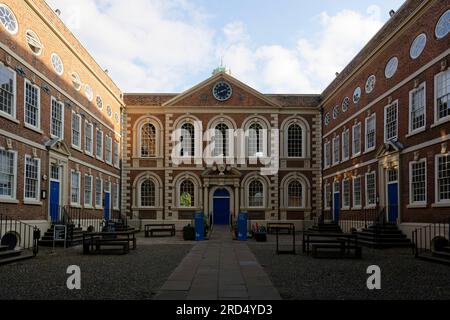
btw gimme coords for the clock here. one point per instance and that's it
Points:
(222, 91)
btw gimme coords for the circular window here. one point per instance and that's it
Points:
(57, 64)
(418, 46)
(327, 119)
(76, 81)
(357, 95)
(335, 112)
(370, 83)
(443, 25)
(109, 111)
(99, 102)
(116, 117)
(391, 67)
(34, 42)
(8, 19)
(345, 104)
(89, 92)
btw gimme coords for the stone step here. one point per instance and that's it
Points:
(431, 258)
(384, 245)
(10, 253)
(23, 256)
(441, 254)
(3, 248)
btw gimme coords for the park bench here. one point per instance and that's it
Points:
(94, 241)
(159, 229)
(335, 245)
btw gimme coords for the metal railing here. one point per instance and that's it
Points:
(81, 218)
(18, 235)
(424, 238)
(356, 220)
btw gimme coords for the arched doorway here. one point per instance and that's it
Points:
(221, 207)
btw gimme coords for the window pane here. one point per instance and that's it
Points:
(255, 139)
(148, 140)
(295, 141)
(148, 193)
(187, 194)
(6, 173)
(295, 195)
(57, 119)
(31, 105)
(187, 140)
(256, 194)
(417, 115)
(444, 177)
(6, 90)
(418, 182)
(443, 94)
(391, 122)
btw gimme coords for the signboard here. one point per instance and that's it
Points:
(59, 234)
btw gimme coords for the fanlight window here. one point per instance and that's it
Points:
(256, 194)
(187, 194)
(148, 140)
(295, 141)
(148, 193)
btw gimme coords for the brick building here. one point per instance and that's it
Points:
(60, 118)
(386, 122)
(156, 187)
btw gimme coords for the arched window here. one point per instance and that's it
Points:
(255, 139)
(295, 195)
(187, 140)
(148, 198)
(187, 195)
(148, 140)
(221, 140)
(295, 141)
(256, 194)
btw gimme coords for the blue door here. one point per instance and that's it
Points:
(106, 212)
(337, 206)
(221, 207)
(54, 201)
(393, 202)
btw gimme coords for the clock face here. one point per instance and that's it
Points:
(222, 91)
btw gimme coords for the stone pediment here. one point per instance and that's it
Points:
(388, 148)
(202, 95)
(221, 171)
(58, 146)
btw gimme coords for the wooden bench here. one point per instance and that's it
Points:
(93, 241)
(344, 251)
(325, 239)
(161, 230)
(272, 227)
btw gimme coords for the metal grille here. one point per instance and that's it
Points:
(357, 191)
(295, 141)
(187, 140)
(187, 194)
(295, 194)
(148, 140)
(76, 129)
(443, 94)
(88, 190)
(356, 141)
(57, 118)
(75, 187)
(444, 177)
(31, 105)
(370, 132)
(391, 124)
(148, 193)
(6, 173)
(418, 181)
(256, 194)
(417, 109)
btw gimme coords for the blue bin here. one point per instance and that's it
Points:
(242, 226)
(199, 226)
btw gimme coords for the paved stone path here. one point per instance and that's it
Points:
(219, 269)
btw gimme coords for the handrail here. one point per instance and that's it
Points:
(423, 237)
(80, 218)
(27, 235)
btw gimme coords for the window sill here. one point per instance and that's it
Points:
(441, 205)
(35, 129)
(88, 207)
(75, 205)
(77, 148)
(32, 202)
(369, 150)
(413, 133)
(357, 208)
(356, 155)
(440, 122)
(56, 138)
(416, 206)
(345, 208)
(370, 207)
(5, 200)
(98, 208)
(9, 117)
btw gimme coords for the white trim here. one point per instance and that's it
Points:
(366, 149)
(426, 144)
(445, 202)
(136, 190)
(78, 203)
(86, 164)
(91, 188)
(38, 179)
(12, 116)
(16, 30)
(394, 138)
(96, 205)
(75, 146)
(99, 157)
(413, 91)
(411, 195)
(115, 196)
(346, 207)
(13, 197)
(108, 138)
(327, 160)
(356, 154)
(356, 166)
(444, 119)
(91, 153)
(36, 128)
(159, 130)
(366, 194)
(355, 206)
(55, 55)
(51, 118)
(325, 195)
(346, 133)
(335, 158)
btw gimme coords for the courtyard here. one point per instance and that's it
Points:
(220, 268)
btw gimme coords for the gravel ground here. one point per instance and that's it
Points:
(299, 277)
(134, 276)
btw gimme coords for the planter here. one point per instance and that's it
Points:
(189, 233)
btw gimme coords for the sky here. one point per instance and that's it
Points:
(275, 46)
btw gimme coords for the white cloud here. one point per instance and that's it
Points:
(161, 45)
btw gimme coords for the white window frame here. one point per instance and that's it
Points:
(115, 196)
(75, 204)
(99, 157)
(394, 138)
(371, 205)
(411, 195)
(343, 205)
(76, 146)
(354, 205)
(438, 121)
(35, 200)
(13, 196)
(327, 155)
(108, 155)
(116, 154)
(139, 193)
(91, 126)
(336, 158)
(38, 115)
(327, 187)
(412, 131)
(345, 138)
(366, 133)
(51, 119)
(13, 115)
(356, 154)
(98, 206)
(88, 204)
(445, 202)
(264, 191)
